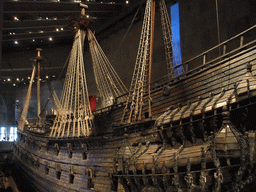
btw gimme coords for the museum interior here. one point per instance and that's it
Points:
(30, 29)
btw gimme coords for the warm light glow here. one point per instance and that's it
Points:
(33, 40)
(17, 79)
(16, 18)
(127, 2)
(8, 79)
(50, 39)
(16, 42)
(28, 77)
(13, 33)
(41, 31)
(87, 16)
(61, 29)
(14, 84)
(57, 29)
(46, 76)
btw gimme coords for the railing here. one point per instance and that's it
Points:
(215, 54)
(225, 49)
(233, 45)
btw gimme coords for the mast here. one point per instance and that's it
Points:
(151, 56)
(38, 63)
(75, 118)
(139, 93)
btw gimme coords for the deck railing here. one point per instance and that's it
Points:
(232, 46)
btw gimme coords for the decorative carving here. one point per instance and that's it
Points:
(84, 146)
(69, 148)
(47, 167)
(203, 180)
(114, 166)
(203, 126)
(244, 122)
(189, 178)
(71, 169)
(57, 148)
(58, 168)
(218, 180)
(90, 181)
(191, 130)
(136, 179)
(153, 170)
(175, 179)
(144, 178)
(165, 177)
(183, 138)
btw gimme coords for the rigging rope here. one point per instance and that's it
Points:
(23, 116)
(140, 84)
(218, 25)
(169, 42)
(75, 118)
(134, 103)
(126, 34)
(108, 82)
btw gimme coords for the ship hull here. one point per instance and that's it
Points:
(177, 149)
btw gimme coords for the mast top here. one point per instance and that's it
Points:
(38, 51)
(39, 57)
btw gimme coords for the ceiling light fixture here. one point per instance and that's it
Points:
(61, 29)
(127, 2)
(57, 29)
(50, 39)
(16, 42)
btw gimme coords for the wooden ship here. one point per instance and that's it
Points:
(192, 130)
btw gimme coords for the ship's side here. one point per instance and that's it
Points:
(181, 147)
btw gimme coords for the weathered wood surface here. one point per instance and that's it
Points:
(211, 79)
(37, 153)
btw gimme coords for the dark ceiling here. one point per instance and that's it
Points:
(28, 23)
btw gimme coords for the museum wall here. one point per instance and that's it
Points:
(198, 24)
